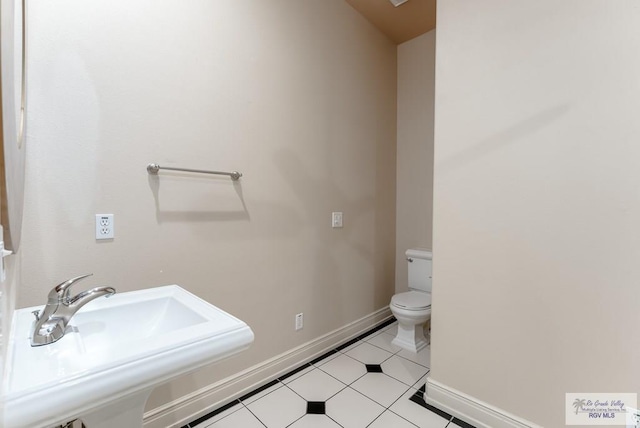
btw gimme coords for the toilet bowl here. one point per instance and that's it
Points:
(413, 308)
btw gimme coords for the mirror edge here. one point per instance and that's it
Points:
(12, 138)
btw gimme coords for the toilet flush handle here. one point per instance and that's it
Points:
(409, 259)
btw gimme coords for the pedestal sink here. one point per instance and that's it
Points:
(113, 354)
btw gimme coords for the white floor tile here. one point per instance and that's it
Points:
(316, 386)
(344, 368)
(389, 419)
(369, 354)
(384, 341)
(219, 416)
(424, 418)
(315, 421)
(297, 375)
(262, 393)
(380, 388)
(404, 370)
(279, 409)
(392, 329)
(242, 418)
(423, 357)
(376, 333)
(362, 404)
(352, 410)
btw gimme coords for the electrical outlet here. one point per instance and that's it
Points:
(299, 321)
(336, 219)
(104, 226)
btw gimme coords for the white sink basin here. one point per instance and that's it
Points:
(114, 352)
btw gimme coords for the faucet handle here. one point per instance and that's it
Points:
(61, 291)
(93, 293)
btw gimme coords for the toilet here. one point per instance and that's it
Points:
(413, 308)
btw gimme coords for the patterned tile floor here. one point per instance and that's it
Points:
(367, 382)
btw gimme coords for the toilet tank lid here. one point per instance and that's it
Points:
(419, 253)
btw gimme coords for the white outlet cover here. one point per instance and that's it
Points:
(104, 226)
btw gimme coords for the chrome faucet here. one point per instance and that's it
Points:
(50, 325)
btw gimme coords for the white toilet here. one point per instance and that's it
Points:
(413, 308)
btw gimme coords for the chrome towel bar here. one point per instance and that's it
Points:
(153, 168)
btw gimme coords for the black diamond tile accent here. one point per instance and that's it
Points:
(315, 407)
(423, 388)
(319, 405)
(374, 368)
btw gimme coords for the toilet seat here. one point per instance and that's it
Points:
(412, 301)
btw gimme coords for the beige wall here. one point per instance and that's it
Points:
(299, 96)
(414, 187)
(536, 237)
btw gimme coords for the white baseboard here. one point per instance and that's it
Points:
(192, 406)
(470, 409)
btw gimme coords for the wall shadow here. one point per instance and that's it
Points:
(197, 216)
(501, 139)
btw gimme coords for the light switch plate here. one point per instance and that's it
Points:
(336, 219)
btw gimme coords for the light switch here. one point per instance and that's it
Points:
(336, 219)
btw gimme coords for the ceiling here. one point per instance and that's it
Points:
(402, 23)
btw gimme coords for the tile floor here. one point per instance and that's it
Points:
(367, 382)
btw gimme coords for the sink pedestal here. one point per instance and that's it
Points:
(126, 412)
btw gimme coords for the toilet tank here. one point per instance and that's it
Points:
(420, 263)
